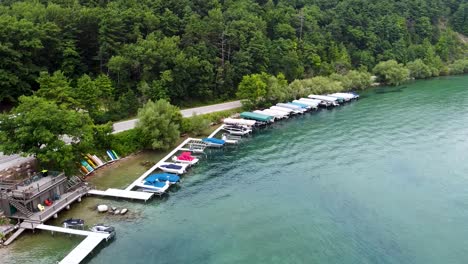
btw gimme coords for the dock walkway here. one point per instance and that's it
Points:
(80, 252)
(144, 196)
(167, 157)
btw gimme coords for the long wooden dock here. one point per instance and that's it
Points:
(168, 156)
(144, 196)
(86, 246)
(216, 131)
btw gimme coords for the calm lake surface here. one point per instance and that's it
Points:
(380, 180)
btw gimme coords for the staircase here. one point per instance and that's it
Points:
(14, 236)
(20, 207)
(73, 182)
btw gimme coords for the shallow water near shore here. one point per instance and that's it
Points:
(380, 180)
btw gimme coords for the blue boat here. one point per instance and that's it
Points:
(300, 104)
(162, 177)
(214, 142)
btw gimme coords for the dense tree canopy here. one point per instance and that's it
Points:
(159, 123)
(110, 57)
(41, 128)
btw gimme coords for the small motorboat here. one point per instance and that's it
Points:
(214, 142)
(104, 229)
(157, 187)
(73, 223)
(177, 168)
(185, 157)
(237, 130)
(162, 177)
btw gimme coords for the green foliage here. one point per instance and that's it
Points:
(37, 126)
(196, 125)
(252, 90)
(459, 67)
(201, 50)
(127, 142)
(159, 123)
(418, 69)
(391, 72)
(56, 88)
(354, 80)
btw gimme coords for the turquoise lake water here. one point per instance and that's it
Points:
(380, 180)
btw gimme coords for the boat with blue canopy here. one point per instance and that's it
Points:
(214, 142)
(177, 168)
(257, 117)
(163, 177)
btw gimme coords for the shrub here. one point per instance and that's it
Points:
(195, 124)
(459, 67)
(419, 70)
(391, 72)
(127, 142)
(159, 123)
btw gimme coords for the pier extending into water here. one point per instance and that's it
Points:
(167, 157)
(86, 246)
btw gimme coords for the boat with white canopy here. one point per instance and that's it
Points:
(346, 96)
(296, 108)
(333, 100)
(312, 104)
(289, 111)
(277, 114)
(239, 121)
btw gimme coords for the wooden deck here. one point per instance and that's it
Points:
(117, 193)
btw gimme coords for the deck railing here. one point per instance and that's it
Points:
(60, 204)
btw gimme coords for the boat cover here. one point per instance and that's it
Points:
(214, 140)
(257, 117)
(162, 177)
(156, 184)
(299, 104)
(172, 166)
(186, 156)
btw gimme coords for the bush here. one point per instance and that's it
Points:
(391, 72)
(459, 67)
(127, 142)
(321, 85)
(159, 123)
(419, 70)
(195, 125)
(353, 80)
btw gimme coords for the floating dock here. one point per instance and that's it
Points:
(167, 157)
(86, 246)
(144, 196)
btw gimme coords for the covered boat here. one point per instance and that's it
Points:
(303, 105)
(288, 111)
(277, 114)
(333, 100)
(185, 157)
(104, 229)
(346, 96)
(293, 107)
(262, 112)
(257, 117)
(177, 168)
(239, 121)
(214, 142)
(73, 223)
(163, 177)
(313, 105)
(153, 185)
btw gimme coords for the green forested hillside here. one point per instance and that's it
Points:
(130, 51)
